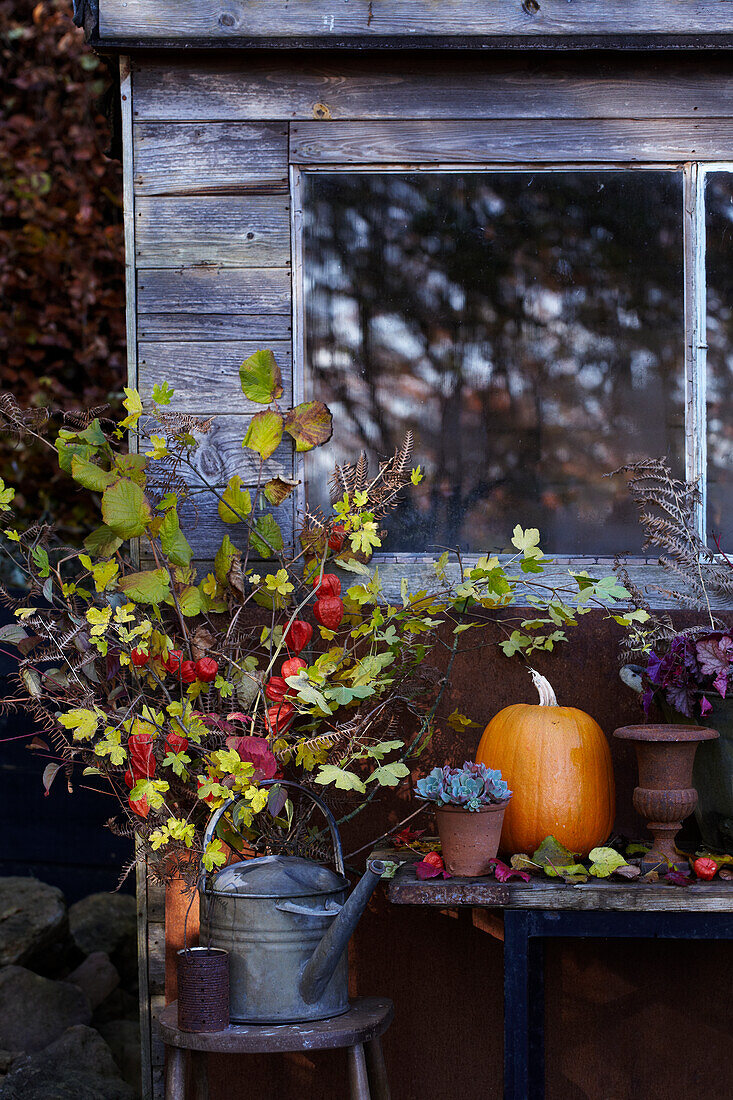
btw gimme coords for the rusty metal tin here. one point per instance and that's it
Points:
(203, 989)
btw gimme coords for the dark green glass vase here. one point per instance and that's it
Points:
(712, 774)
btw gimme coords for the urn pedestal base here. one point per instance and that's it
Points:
(665, 795)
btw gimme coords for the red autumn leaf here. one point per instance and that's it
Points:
(405, 837)
(503, 872)
(678, 878)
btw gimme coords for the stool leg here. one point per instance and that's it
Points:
(200, 1075)
(358, 1080)
(377, 1070)
(175, 1074)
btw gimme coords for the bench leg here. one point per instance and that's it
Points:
(377, 1070)
(175, 1074)
(358, 1079)
(200, 1075)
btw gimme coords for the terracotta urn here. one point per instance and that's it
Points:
(469, 839)
(665, 795)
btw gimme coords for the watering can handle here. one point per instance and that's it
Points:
(333, 827)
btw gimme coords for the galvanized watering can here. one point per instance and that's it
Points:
(286, 923)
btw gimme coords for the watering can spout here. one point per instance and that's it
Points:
(324, 960)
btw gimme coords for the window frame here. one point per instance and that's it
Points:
(694, 173)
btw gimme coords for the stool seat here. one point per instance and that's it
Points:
(358, 1030)
(367, 1018)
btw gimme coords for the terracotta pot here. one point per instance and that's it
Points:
(470, 838)
(179, 900)
(665, 795)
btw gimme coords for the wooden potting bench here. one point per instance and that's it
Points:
(523, 915)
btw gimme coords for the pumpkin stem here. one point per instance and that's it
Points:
(545, 689)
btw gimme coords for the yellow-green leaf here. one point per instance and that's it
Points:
(342, 778)
(226, 555)
(236, 502)
(125, 509)
(134, 407)
(149, 586)
(190, 601)
(81, 721)
(89, 475)
(264, 433)
(175, 544)
(260, 378)
(266, 528)
(604, 861)
(102, 542)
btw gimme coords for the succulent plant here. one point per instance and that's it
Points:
(472, 786)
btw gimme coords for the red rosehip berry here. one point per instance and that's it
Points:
(173, 661)
(329, 612)
(139, 806)
(175, 743)
(292, 667)
(336, 538)
(207, 669)
(139, 658)
(705, 868)
(276, 689)
(187, 672)
(298, 634)
(280, 716)
(330, 585)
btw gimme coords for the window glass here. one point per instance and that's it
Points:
(719, 217)
(527, 326)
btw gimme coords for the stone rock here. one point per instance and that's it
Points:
(96, 976)
(77, 1066)
(120, 1005)
(7, 1057)
(32, 918)
(36, 1010)
(123, 1039)
(108, 922)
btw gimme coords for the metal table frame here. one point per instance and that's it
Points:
(525, 932)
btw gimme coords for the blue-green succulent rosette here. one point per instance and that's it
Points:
(471, 787)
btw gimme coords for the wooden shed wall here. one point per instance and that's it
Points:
(210, 144)
(329, 20)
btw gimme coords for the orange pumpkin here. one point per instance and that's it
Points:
(557, 763)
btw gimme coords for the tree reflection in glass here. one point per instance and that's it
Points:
(527, 326)
(719, 217)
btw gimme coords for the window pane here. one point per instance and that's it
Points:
(719, 216)
(528, 327)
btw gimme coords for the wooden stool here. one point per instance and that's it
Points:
(358, 1029)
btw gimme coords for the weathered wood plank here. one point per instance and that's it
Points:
(416, 86)
(712, 897)
(518, 141)
(373, 18)
(143, 915)
(206, 375)
(255, 291)
(156, 958)
(219, 456)
(236, 231)
(213, 327)
(418, 569)
(234, 157)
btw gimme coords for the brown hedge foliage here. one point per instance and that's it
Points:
(62, 321)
